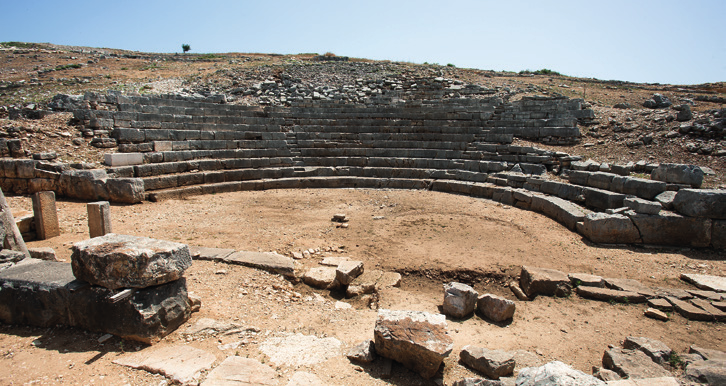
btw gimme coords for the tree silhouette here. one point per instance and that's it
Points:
(186, 47)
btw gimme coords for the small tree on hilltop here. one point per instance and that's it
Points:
(186, 47)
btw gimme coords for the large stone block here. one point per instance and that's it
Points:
(493, 363)
(416, 339)
(709, 203)
(678, 174)
(640, 187)
(672, 229)
(125, 190)
(610, 229)
(544, 281)
(459, 299)
(39, 293)
(121, 261)
(633, 364)
(496, 308)
(83, 184)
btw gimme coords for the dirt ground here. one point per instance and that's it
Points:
(429, 237)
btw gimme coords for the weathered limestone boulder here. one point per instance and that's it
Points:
(709, 203)
(544, 281)
(45, 293)
(605, 374)
(555, 374)
(689, 311)
(416, 339)
(347, 271)
(633, 364)
(658, 351)
(459, 299)
(319, 277)
(678, 174)
(610, 229)
(495, 308)
(493, 363)
(121, 261)
(364, 352)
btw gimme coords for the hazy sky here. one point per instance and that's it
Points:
(680, 42)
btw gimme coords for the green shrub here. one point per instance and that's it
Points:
(186, 47)
(450, 65)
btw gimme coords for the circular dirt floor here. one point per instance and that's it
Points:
(429, 237)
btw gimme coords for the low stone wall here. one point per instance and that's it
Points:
(22, 176)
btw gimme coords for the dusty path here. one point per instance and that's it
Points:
(430, 237)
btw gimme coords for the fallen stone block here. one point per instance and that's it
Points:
(610, 229)
(706, 282)
(640, 205)
(707, 353)
(666, 199)
(493, 363)
(347, 271)
(690, 311)
(364, 352)
(45, 293)
(543, 281)
(606, 295)
(718, 315)
(678, 174)
(210, 327)
(655, 314)
(585, 279)
(477, 382)
(630, 285)
(303, 378)
(211, 254)
(660, 304)
(364, 284)
(495, 308)
(712, 372)
(43, 253)
(710, 203)
(319, 277)
(555, 373)
(418, 340)
(267, 261)
(633, 364)
(296, 350)
(236, 370)
(459, 299)
(121, 261)
(182, 364)
(605, 374)
(660, 381)
(658, 351)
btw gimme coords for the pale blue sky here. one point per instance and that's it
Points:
(666, 41)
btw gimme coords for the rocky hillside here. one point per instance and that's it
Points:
(634, 122)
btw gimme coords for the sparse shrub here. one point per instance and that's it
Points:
(186, 48)
(450, 65)
(675, 360)
(329, 54)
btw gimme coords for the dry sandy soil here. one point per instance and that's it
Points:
(430, 237)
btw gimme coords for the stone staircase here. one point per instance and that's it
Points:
(173, 147)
